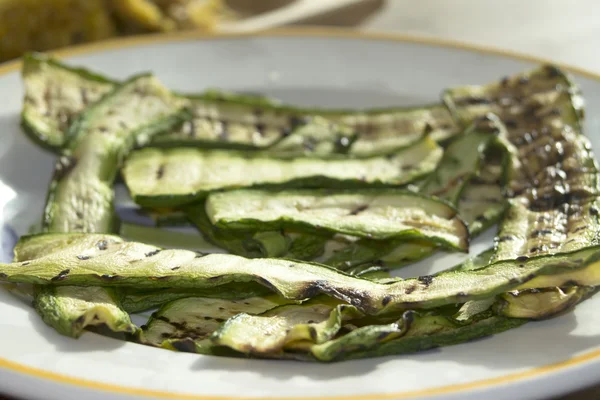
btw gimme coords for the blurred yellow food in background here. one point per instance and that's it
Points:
(169, 15)
(41, 25)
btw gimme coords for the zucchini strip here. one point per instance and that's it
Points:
(375, 214)
(105, 260)
(54, 95)
(175, 177)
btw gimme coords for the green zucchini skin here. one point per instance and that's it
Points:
(155, 179)
(80, 196)
(360, 213)
(72, 309)
(105, 260)
(54, 95)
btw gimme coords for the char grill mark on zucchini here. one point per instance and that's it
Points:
(378, 130)
(80, 195)
(144, 266)
(54, 95)
(527, 232)
(375, 214)
(190, 174)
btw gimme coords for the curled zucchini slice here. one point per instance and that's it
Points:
(105, 260)
(175, 177)
(375, 214)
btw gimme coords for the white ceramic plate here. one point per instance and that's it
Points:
(332, 69)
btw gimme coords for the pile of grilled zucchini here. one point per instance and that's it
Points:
(312, 208)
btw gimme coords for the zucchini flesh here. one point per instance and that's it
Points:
(197, 318)
(229, 124)
(54, 95)
(175, 177)
(80, 195)
(105, 260)
(160, 237)
(71, 309)
(376, 214)
(247, 244)
(281, 327)
(539, 304)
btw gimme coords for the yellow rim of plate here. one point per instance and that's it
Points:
(336, 33)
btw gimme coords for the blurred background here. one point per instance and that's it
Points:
(559, 29)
